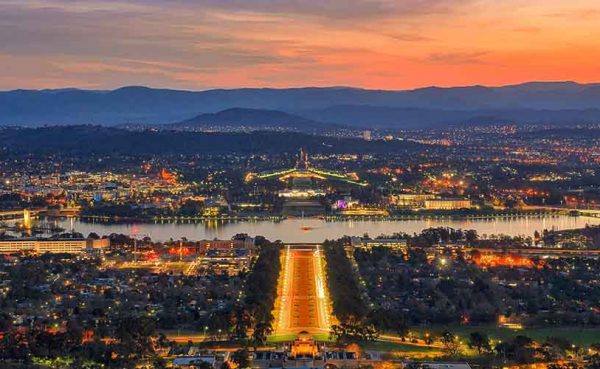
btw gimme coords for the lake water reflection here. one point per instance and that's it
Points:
(316, 230)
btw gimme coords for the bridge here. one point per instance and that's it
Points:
(19, 214)
(591, 213)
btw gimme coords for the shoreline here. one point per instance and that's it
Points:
(327, 218)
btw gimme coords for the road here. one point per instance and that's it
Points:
(590, 213)
(303, 300)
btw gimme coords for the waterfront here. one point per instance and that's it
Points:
(317, 230)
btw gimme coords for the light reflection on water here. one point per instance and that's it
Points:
(317, 230)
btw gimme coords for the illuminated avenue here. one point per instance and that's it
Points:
(303, 301)
(365, 184)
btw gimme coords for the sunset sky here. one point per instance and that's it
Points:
(201, 44)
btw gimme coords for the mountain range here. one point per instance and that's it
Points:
(307, 108)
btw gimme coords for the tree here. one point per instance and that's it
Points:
(344, 287)
(352, 329)
(536, 236)
(480, 342)
(593, 362)
(261, 331)
(522, 341)
(451, 344)
(240, 357)
(134, 336)
(261, 292)
(204, 365)
(471, 236)
(159, 363)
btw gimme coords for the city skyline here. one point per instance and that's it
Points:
(228, 44)
(333, 184)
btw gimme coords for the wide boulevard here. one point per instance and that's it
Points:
(303, 300)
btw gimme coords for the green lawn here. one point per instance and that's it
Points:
(394, 346)
(275, 338)
(577, 335)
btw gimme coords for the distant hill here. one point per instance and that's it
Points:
(414, 118)
(81, 141)
(251, 119)
(143, 105)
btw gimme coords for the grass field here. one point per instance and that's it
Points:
(402, 350)
(396, 349)
(394, 346)
(577, 335)
(286, 337)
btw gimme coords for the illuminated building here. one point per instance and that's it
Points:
(301, 193)
(246, 243)
(364, 211)
(304, 346)
(512, 322)
(303, 169)
(510, 260)
(366, 135)
(447, 204)
(368, 244)
(346, 203)
(167, 176)
(49, 245)
(410, 200)
(226, 256)
(26, 219)
(211, 211)
(300, 199)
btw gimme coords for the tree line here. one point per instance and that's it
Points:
(349, 305)
(255, 315)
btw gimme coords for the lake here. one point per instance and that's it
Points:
(317, 230)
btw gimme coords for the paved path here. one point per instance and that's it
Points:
(303, 301)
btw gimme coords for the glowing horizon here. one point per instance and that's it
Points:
(381, 44)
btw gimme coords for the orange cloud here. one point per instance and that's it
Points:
(232, 43)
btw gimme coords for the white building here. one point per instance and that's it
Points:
(368, 243)
(52, 245)
(447, 204)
